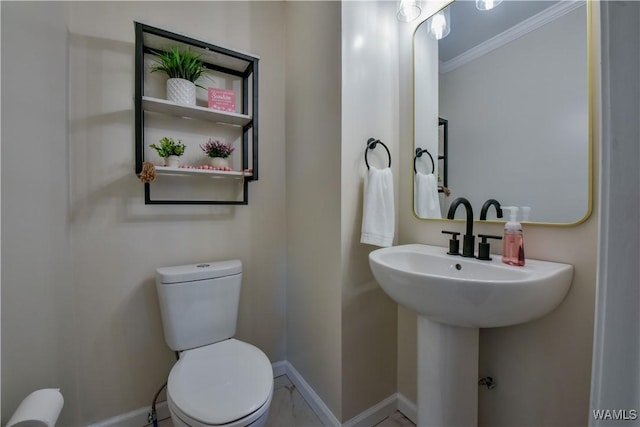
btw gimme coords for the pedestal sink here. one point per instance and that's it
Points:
(454, 297)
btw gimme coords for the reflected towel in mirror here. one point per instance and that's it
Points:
(378, 211)
(427, 202)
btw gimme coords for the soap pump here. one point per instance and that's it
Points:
(513, 241)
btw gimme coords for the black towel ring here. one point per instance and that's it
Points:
(419, 153)
(371, 144)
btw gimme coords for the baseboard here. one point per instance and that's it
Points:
(279, 368)
(375, 414)
(369, 417)
(407, 407)
(140, 417)
(313, 400)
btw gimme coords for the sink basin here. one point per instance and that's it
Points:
(468, 292)
(454, 296)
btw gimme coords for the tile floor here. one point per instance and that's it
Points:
(289, 409)
(397, 419)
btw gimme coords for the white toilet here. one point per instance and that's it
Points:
(218, 380)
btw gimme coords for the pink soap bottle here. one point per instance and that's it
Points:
(513, 241)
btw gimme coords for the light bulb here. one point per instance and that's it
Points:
(487, 4)
(440, 25)
(408, 11)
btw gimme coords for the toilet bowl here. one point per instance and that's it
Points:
(229, 384)
(218, 380)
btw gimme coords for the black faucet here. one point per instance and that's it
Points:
(487, 205)
(483, 247)
(468, 241)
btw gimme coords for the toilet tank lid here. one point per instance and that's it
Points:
(201, 271)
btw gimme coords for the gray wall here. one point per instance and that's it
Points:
(79, 307)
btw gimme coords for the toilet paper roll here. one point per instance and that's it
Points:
(40, 409)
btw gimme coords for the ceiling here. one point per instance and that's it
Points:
(470, 26)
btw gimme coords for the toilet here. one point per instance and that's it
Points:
(218, 380)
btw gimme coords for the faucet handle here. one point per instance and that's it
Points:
(454, 243)
(484, 250)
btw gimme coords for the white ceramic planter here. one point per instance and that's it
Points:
(181, 91)
(172, 161)
(219, 162)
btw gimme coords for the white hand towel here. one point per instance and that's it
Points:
(378, 212)
(426, 199)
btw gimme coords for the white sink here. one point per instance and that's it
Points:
(454, 296)
(466, 291)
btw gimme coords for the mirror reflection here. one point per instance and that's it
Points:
(511, 86)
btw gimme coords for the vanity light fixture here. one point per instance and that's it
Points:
(408, 10)
(487, 4)
(440, 24)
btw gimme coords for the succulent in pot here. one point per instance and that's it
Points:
(170, 151)
(184, 68)
(218, 153)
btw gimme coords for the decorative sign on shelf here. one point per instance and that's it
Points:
(222, 99)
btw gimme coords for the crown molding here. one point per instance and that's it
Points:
(530, 24)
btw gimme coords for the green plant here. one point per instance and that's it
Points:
(215, 148)
(180, 64)
(168, 147)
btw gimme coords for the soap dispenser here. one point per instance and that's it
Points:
(513, 241)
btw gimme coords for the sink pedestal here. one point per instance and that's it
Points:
(447, 375)
(471, 294)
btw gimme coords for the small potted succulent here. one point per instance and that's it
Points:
(170, 151)
(218, 153)
(184, 68)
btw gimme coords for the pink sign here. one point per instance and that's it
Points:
(222, 99)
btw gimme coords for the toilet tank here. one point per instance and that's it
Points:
(199, 302)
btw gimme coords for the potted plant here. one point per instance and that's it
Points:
(184, 68)
(170, 151)
(218, 153)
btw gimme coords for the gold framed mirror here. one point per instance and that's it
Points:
(514, 87)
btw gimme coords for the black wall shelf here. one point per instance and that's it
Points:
(216, 58)
(445, 148)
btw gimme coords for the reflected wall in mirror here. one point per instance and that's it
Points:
(513, 85)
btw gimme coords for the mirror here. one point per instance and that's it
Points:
(513, 86)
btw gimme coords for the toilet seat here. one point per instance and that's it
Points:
(229, 383)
